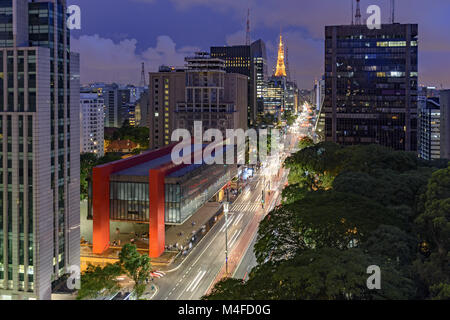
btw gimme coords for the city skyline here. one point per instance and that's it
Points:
(153, 37)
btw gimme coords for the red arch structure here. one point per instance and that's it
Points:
(101, 193)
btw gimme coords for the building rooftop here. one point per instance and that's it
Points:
(142, 170)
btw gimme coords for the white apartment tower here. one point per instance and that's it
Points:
(92, 114)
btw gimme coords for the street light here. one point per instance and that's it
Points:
(225, 209)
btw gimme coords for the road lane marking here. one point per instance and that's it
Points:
(226, 225)
(241, 215)
(193, 281)
(234, 238)
(198, 281)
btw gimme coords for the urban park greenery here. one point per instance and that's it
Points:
(102, 281)
(347, 208)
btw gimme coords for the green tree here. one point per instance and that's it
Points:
(226, 289)
(321, 274)
(96, 281)
(393, 243)
(87, 162)
(435, 219)
(320, 219)
(137, 267)
(433, 266)
(305, 142)
(289, 117)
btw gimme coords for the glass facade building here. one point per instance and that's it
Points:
(150, 189)
(429, 136)
(371, 85)
(185, 192)
(39, 148)
(239, 59)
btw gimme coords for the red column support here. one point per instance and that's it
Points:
(157, 232)
(100, 206)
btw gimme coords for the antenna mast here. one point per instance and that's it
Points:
(353, 22)
(393, 11)
(248, 40)
(143, 83)
(358, 13)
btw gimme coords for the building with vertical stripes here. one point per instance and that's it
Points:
(39, 148)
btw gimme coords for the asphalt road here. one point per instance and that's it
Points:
(194, 276)
(192, 279)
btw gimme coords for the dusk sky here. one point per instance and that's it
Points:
(117, 35)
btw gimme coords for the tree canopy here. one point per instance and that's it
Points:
(346, 208)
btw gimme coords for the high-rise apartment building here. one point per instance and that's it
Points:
(216, 98)
(166, 89)
(429, 119)
(39, 173)
(202, 91)
(445, 123)
(371, 85)
(142, 110)
(92, 113)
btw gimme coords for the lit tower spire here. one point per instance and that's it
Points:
(281, 67)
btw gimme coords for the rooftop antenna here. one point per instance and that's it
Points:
(358, 13)
(143, 83)
(248, 40)
(353, 22)
(393, 11)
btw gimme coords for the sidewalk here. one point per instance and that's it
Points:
(152, 290)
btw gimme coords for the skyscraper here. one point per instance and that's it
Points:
(371, 85)
(39, 124)
(92, 123)
(239, 60)
(429, 119)
(259, 55)
(216, 98)
(166, 89)
(445, 123)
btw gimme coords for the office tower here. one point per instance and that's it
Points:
(319, 98)
(428, 137)
(275, 99)
(142, 110)
(166, 89)
(428, 92)
(445, 123)
(371, 85)
(276, 94)
(214, 97)
(239, 60)
(39, 123)
(125, 106)
(92, 113)
(110, 95)
(259, 54)
(291, 102)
